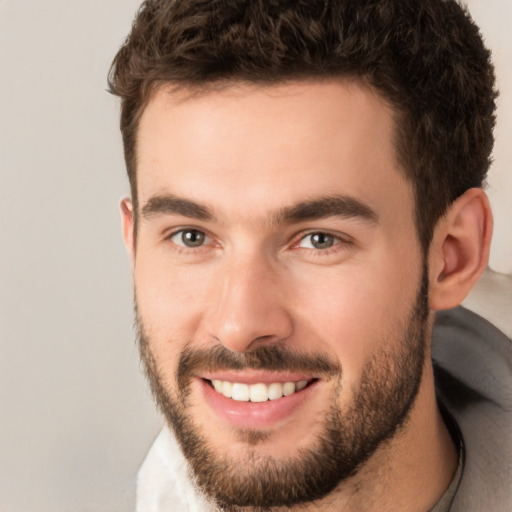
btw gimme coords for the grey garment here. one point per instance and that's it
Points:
(473, 371)
(444, 504)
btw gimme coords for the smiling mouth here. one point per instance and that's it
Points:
(259, 392)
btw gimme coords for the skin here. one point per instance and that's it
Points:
(246, 153)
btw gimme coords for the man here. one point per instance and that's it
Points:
(306, 195)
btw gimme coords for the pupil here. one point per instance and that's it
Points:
(321, 240)
(193, 238)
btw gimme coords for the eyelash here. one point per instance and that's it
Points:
(339, 243)
(183, 248)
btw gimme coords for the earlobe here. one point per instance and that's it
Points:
(127, 220)
(459, 252)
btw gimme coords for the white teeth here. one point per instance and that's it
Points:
(301, 385)
(240, 392)
(275, 391)
(288, 388)
(257, 392)
(227, 389)
(217, 384)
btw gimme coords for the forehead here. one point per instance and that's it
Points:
(246, 149)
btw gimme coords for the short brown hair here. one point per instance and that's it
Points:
(425, 57)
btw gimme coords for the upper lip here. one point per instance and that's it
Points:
(256, 376)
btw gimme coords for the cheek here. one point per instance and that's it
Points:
(169, 302)
(358, 309)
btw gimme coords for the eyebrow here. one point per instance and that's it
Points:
(172, 205)
(343, 206)
(347, 207)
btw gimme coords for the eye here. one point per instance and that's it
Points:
(190, 238)
(318, 241)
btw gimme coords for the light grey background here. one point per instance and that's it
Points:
(75, 417)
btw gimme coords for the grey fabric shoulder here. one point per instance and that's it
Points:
(473, 370)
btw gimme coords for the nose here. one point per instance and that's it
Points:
(250, 307)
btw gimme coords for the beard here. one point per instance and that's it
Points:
(349, 436)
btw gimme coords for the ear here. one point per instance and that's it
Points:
(460, 247)
(127, 218)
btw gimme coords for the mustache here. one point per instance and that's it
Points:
(272, 358)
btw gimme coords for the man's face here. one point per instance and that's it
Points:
(277, 256)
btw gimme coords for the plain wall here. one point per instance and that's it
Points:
(495, 19)
(76, 418)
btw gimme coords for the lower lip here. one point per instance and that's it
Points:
(255, 414)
